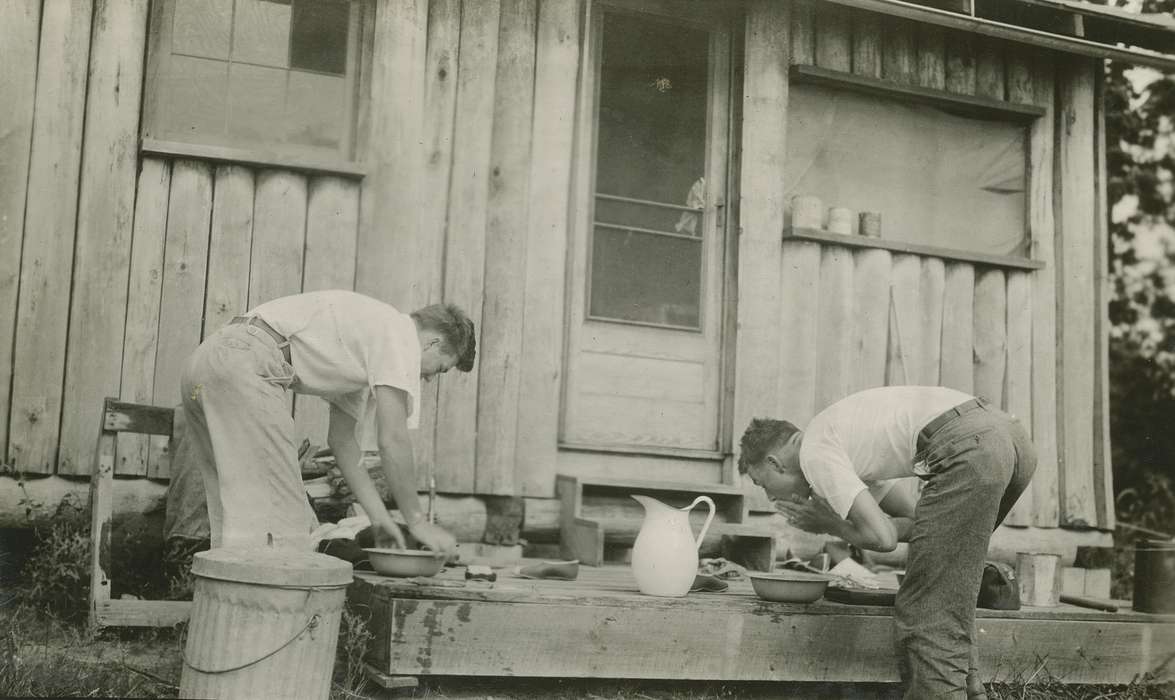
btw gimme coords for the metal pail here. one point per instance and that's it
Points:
(1154, 576)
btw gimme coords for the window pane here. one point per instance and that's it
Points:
(261, 33)
(646, 278)
(651, 144)
(257, 102)
(194, 96)
(315, 108)
(652, 113)
(937, 178)
(201, 28)
(319, 41)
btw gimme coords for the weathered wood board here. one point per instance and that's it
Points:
(181, 306)
(332, 222)
(19, 35)
(552, 139)
(465, 240)
(507, 210)
(144, 293)
(1076, 279)
(605, 627)
(440, 111)
(104, 221)
(50, 219)
(230, 247)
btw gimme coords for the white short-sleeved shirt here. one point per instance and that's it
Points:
(343, 345)
(866, 439)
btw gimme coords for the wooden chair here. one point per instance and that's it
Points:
(119, 417)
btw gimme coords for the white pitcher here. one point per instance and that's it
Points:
(665, 555)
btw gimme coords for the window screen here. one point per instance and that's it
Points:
(646, 253)
(263, 74)
(937, 178)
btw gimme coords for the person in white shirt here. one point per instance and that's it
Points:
(366, 359)
(835, 478)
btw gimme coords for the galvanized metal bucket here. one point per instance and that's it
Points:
(264, 624)
(1154, 576)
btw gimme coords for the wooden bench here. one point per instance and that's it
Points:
(596, 511)
(119, 417)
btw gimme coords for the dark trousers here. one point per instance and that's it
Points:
(979, 463)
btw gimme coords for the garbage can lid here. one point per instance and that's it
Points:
(270, 566)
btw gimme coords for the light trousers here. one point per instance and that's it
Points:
(979, 463)
(241, 434)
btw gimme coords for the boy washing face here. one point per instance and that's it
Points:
(838, 477)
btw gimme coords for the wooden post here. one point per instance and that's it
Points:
(1102, 463)
(101, 519)
(505, 272)
(1076, 279)
(553, 135)
(761, 211)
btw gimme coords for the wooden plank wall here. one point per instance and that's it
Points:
(38, 369)
(466, 199)
(19, 38)
(983, 330)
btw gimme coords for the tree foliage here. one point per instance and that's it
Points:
(1140, 163)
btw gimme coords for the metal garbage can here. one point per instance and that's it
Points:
(1154, 576)
(264, 623)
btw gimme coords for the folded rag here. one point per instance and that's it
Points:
(706, 583)
(558, 570)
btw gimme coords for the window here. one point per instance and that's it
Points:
(271, 76)
(937, 177)
(647, 239)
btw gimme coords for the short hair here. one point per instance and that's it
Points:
(455, 327)
(758, 439)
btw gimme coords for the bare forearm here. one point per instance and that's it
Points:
(399, 468)
(862, 538)
(348, 458)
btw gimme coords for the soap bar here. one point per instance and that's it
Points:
(477, 572)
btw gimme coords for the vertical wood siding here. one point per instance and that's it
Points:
(49, 234)
(19, 38)
(505, 263)
(467, 198)
(465, 240)
(979, 329)
(104, 224)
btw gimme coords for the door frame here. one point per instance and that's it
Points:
(724, 64)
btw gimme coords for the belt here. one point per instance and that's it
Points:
(945, 417)
(283, 343)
